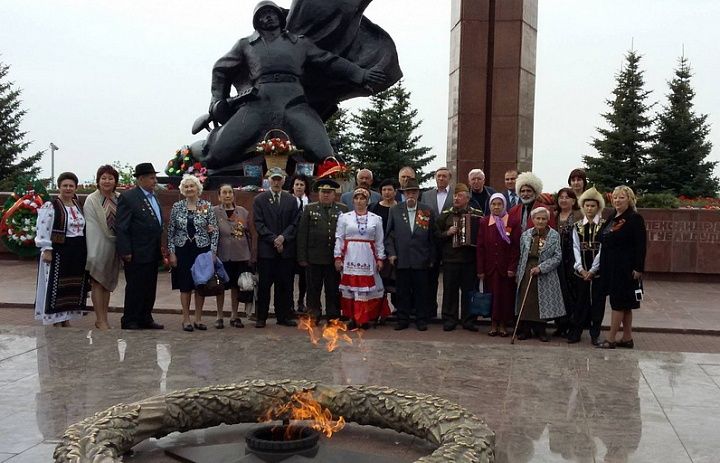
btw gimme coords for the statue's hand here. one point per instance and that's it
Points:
(374, 78)
(220, 111)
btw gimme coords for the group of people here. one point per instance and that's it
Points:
(540, 261)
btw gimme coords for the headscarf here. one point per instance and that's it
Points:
(499, 220)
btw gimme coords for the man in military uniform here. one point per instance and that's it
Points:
(315, 244)
(458, 262)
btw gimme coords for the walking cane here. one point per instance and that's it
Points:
(522, 307)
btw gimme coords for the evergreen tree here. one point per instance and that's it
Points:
(622, 148)
(12, 139)
(677, 161)
(339, 133)
(385, 139)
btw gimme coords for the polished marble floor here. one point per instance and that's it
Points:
(545, 403)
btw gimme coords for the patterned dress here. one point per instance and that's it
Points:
(359, 241)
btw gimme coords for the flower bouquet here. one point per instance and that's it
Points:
(183, 163)
(18, 225)
(276, 149)
(336, 169)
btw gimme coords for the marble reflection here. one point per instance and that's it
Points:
(545, 404)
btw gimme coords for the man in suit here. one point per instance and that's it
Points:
(479, 192)
(315, 246)
(363, 179)
(138, 231)
(511, 197)
(439, 199)
(276, 214)
(410, 246)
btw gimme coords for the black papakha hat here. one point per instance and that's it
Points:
(144, 169)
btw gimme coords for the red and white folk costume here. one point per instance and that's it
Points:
(359, 243)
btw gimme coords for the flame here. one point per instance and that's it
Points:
(333, 332)
(308, 324)
(303, 407)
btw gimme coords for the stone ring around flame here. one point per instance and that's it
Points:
(105, 436)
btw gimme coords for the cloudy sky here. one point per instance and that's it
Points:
(123, 81)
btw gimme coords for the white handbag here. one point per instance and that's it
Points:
(247, 281)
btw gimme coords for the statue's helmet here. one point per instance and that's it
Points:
(269, 4)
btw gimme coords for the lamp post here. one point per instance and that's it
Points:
(53, 148)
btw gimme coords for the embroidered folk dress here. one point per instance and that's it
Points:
(53, 301)
(359, 241)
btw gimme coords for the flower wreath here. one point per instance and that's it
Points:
(18, 225)
(183, 163)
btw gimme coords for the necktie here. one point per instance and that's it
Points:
(513, 199)
(276, 198)
(155, 206)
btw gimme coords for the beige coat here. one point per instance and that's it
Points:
(233, 248)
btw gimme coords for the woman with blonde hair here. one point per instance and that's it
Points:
(622, 261)
(103, 262)
(192, 230)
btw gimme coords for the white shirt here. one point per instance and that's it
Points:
(578, 252)
(441, 197)
(411, 218)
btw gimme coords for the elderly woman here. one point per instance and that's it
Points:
(539, 297)
(497, 260)
(192, 230)
(300, 185)
(62, 283)
(234, 252)
(103, 262)
(622, 261)
(359, 253)
(567, 214)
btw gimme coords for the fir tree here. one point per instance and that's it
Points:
(677, 161)
(385, 139)
(12, 139)
(338, 131)
(622, 148)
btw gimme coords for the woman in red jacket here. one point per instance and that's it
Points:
(498, 246)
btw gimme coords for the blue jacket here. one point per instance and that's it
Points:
(203, 269)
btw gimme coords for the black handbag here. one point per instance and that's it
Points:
(214, 287)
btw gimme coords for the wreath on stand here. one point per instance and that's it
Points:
(18, 225)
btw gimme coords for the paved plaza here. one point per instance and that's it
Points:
(546, 402)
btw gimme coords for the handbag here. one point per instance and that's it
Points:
(247, 281)
(480, 303)
(214, 287)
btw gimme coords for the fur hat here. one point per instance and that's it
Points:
(531, 180)
(594, 195)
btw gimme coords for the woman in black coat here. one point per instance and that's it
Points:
(622, 261)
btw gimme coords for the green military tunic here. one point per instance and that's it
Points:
(316, 233)
(464, 254)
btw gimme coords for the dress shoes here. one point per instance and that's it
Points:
(131, 326)
(188, 327)
(260, 324)
(154, 326)
(421, 326)
(200, 326)
(402, 326)
(287, 323)
(470, 326)
(449, 326)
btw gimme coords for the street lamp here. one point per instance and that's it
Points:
(53, 148)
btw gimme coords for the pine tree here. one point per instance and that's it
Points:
(338, 129)
(385, 139)
(12, 139)
(677, 161)
(622, 148)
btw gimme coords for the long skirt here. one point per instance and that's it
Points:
(63, 284)
(361, 288)
(502, 289)
(181, 276)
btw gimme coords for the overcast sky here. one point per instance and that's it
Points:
(107, 80)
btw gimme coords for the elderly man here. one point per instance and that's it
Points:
(315, 245)
(458, 262)
(529, 188)
(363, 179)
(480, 194)
(404, 174)
(138, 229)
(410, 247)
(275, 213)
(439, 199)
(510, 193)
